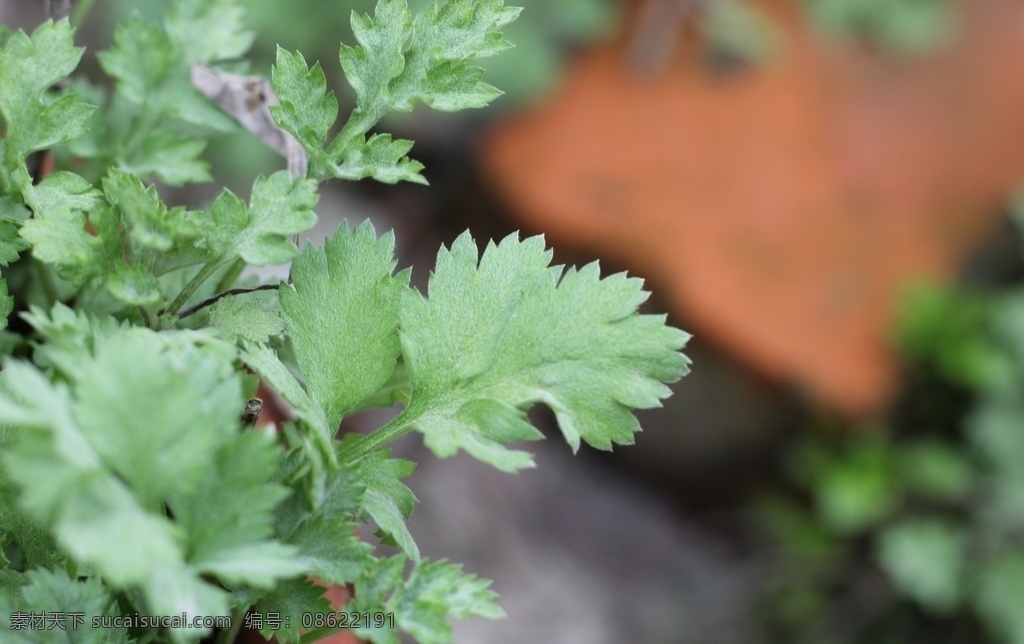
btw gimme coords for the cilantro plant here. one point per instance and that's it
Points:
(131, 481)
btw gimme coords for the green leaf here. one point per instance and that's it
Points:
(342, 316)
(290, 601)
(191, 402)
(133, 285)
(372, 589)
(67, 339)
(152, 69)
(457, 87)
(379, 58)
(322, 529)
(311, 432)
(998, 597)
(397, 390)
(897, 26)
(28, 67)
(380, 158)
(6, 304)
(279, 209)
(175, 160)
(331, 549)
(398, 61)
(422, 604)
(59, 230)
(180, 591)
(229, 515)
(55, 593)
(11, 209)
(993, 429)
(505, 331)
(388, 500)
(63, 190)
(208, 30)
(307, 109)
(248, 320)
(34, 544)
(70, 459)
(141, 60)
(60, 237)
(937, 471)
(149, 222)
(64, 486)
(859, 490)
(10, 244)
(924, 559)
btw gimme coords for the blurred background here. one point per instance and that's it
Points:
(823, 193)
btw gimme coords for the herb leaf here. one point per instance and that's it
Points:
(398, 61)
(28, 67)
(506, 330)
(342, 315)
(260, 234)
(421, 604)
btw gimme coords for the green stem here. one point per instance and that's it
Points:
(210, 301)
(80, 11)
(397, 428)
(230, 276)
(140, 127)
(359, 123)
(46, 282)
(204, 273)
(229, 635)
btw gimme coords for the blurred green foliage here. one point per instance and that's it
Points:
(738, 30)
(543, 35)
(893, 26)
(931, 520)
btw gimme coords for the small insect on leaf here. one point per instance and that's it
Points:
(251, 411)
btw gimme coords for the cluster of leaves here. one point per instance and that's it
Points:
(128, 481)
(939, 511)
(543, 35)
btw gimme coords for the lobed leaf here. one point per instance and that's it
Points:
(230, 514)
(307, 109)
(422, 603)
(53, 592)
(64, 486)
(173, 159)
(141, 60)
(342, 315)
(387, 499)
(504, 331)
(208, 30)
(279, 208)
(380, 158)
(61, 237)
(28, 67)
(397, 61)
(248, 320)
(11, 244)
(290, 600)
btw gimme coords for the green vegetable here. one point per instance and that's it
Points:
(129, 483)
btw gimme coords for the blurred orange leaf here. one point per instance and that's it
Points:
(783, 208)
